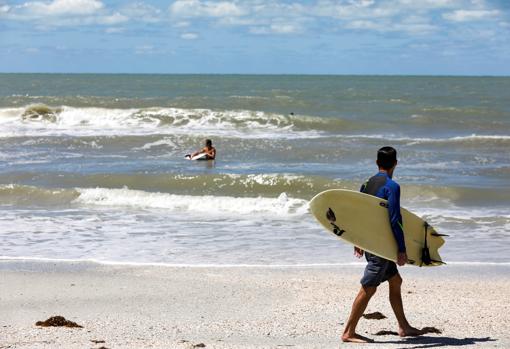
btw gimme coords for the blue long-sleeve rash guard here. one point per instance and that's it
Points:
(382, 186)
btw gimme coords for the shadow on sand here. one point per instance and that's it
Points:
(423, 342)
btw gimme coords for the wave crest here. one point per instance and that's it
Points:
(25, 195)
(45, 120)
(40, 112)
(208, 204)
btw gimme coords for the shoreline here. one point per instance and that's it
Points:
(229, 307)
(10, 263)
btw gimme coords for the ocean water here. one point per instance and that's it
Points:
(92, 167)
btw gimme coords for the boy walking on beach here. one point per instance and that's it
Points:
(379, 269)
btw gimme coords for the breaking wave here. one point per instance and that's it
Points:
(250, 186)
(45, 120)
(477, 139)
(208, 204)
(281, 205)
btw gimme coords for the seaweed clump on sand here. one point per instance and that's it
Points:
(57, 321)
(386, 333)
(40, 112)
(431, 330)
(374, 316)
(424, 330)
(97, 341)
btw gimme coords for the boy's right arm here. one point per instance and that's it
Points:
(358, 252)
(396, 224)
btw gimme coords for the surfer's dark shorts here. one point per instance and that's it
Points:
(377, 270)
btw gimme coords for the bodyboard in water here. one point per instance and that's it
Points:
(201, 156)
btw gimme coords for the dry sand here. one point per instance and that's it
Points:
(236, 307)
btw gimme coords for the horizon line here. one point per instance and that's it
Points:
(259, 74)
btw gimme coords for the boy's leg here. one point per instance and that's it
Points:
(404, 328)
(358, 307)
(372, 277)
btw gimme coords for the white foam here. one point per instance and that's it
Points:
(110, 121)
(220, 265)
(463, 214)
(184, 265)
(269, 179)
(418, 140)
(166, 142)
(208, 204)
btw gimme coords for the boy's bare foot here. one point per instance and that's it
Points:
(356, 338)
(409, 332)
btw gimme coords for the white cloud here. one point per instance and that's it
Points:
(239, 21)
(59, 13)
(4, 8)
(189, 36)
(285, 28)
(31, 50)
(198, 8)
(151, 49)
(277, 28)
(449, 53)
(412, 25)
(413, 17)
(260, 16)
(364, 24)
(112, 19)
(415, 28)
(353, 10)
(470, 15)
(114, 30)
(62, 7)
(140, 11)
(181, 24)
(275, 9)
(428, 4)
(275, 17)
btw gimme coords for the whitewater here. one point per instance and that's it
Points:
(99, 175)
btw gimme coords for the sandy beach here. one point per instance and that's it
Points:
(242, 307)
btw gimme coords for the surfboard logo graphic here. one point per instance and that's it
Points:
(330, 215)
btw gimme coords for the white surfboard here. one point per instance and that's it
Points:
(200, 156)
(363, 221)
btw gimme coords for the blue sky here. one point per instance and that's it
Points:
(431, 37)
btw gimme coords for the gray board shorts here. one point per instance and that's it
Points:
(377, 270)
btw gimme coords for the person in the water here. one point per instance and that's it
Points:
(209, 150)
(379, 269)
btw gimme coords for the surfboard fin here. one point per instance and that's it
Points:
(425, 253)
(437, 234)
(425, 256)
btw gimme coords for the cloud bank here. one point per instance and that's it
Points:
(315, 29)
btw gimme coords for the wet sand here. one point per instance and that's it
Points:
(240, 307)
